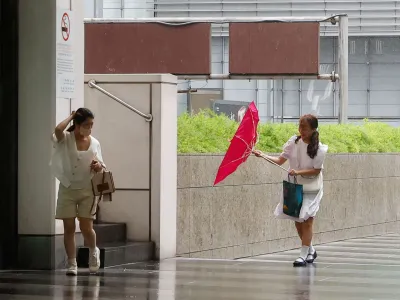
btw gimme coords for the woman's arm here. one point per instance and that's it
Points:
(280, 160)
(306, 172)
(318, 163)
(60, 128)
(98, 163)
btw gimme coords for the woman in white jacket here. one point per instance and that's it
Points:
(76, 157)
(306, 156)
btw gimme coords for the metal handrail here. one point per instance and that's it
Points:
(92, 84)
(332, 76)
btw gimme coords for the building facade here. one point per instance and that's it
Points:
(374, 56)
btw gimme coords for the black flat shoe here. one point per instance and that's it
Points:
(311, 257)
(300, 262)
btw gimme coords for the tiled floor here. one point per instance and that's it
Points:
(350, 270)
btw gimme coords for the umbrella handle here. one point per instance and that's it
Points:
(272, 162)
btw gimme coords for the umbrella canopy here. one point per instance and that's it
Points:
(242, 144)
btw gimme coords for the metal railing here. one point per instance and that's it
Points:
(147, 117)
(332, 77)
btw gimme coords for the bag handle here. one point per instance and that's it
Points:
(100, 196)
(294, 178)
(101, 163)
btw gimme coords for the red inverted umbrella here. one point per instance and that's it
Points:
(241, 145)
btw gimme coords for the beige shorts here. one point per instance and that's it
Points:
(75, 203)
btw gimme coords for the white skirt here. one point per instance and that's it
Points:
(309, 208)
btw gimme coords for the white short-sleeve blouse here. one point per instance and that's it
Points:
(72, 167)
(298, 158)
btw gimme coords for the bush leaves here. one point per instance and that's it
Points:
(207, 132)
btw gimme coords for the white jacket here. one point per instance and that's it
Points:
(70, 166)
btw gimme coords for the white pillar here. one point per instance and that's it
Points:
(164, 170)
(40, 110)
(343, 51)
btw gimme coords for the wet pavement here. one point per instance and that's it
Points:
(350, 270)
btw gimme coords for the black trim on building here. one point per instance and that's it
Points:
(9, 133)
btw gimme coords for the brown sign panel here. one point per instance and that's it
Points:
(126, 48)
(274, 48)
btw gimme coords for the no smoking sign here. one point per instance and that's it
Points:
(65, 26)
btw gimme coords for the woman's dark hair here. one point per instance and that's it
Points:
(81, 115)
(312, 148)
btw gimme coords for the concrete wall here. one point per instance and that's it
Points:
(140, 154)
(235, 219)
(130, 160)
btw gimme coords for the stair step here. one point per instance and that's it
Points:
(113, 254)
(110, 232)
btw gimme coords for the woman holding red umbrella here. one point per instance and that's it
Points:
(306, 155)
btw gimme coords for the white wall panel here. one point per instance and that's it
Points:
(385, 97)
(129, 8)
(385, 77)
(357, 110)
(383, 110)
(359, 99)
(358, 77)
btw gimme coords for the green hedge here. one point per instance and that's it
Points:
(207, 132)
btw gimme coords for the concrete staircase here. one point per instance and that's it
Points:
(115, 249)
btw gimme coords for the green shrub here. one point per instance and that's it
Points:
(208, 132)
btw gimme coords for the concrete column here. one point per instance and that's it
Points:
(164, 170)
(343, 52)
(40, 240)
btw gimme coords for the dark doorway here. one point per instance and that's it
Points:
(9, 132)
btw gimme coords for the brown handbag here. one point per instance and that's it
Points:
(102, 185)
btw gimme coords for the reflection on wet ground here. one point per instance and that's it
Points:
(356, 269)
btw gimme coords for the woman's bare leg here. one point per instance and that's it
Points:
(89, 235)
(69, 238)
(307, 232)
(299, 229)
(70, 246)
